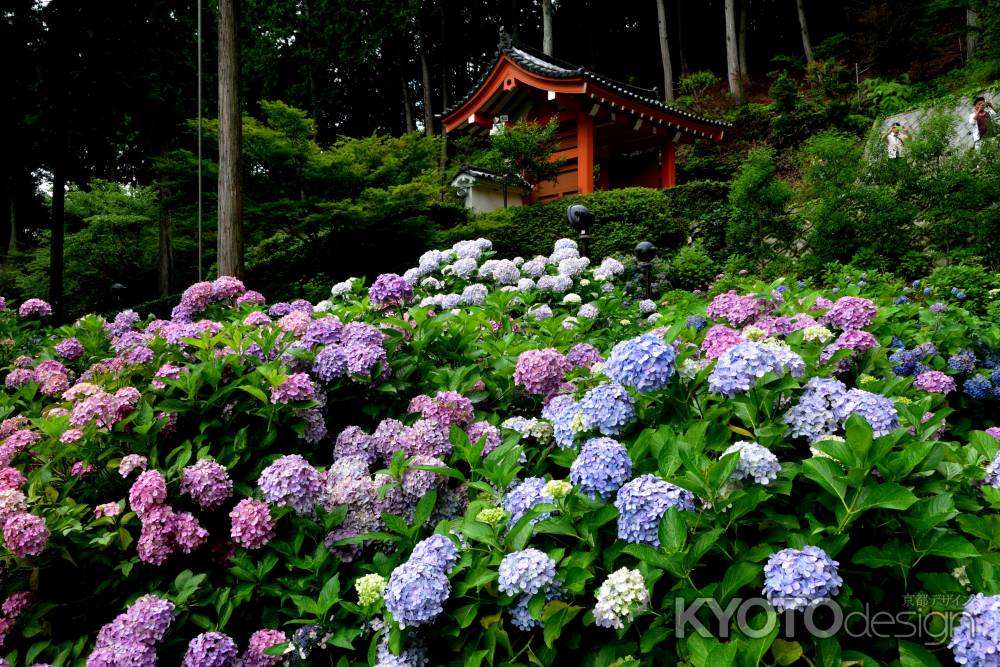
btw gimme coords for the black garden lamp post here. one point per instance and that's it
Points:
(581, 219)
(645, 253)
(117, 290)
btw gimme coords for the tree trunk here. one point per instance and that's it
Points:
(804, 27)
(58, 234)
(230, 240)
(732, 55)
(404, 84)
(744, 77)
(310, 49)
(668, 71)
(972, 35)
(547, 27)
(166, 242)
(425, 73)
(680, 37)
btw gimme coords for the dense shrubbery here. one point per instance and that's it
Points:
(491, 459)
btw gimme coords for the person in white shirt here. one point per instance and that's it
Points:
(981, 119)
(895, 139)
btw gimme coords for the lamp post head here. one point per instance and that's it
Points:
(645, 252)
(580, 218)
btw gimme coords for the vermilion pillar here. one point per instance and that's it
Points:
(584, 154)
(668, 165)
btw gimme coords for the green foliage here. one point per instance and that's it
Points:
(692, 268)
(785, 93)
(975, 282)
(622, 219)
(523, 154)
(758, 225)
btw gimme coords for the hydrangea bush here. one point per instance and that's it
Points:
(500, 461)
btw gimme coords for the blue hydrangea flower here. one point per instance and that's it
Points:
(878, 410)
(815, 415)
(756, 462)
(800, 578)
(527, 571)
(523, 496)
(696, 322)
(566, 424)
(601, 468)
(976, 640)
(978, 387)
(645, 363)
(608, 407)
(416, 593)
(738, 368)
(642, 503)
(964, 362)
(993, 472)
(437, 551)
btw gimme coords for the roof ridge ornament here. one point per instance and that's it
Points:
(506, 42)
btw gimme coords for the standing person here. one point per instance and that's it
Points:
(895, 139)
(981, 119)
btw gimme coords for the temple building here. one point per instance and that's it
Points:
(611, 135)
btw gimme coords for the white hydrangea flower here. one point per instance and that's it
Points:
(621, 597)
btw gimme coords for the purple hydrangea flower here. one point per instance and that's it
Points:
(148, 489)
(324, 331)
(738, 310)
(645, 363)
(351, 442)
(850, 312)
(583, 355)
(291, 482)
(252, 525)
(227, 287)
(527, 571)
(800, 578)
(25, 534)
(935, 382)
(852, 339)
(879, 411)
(260, 641)
(207, 482)
(330, 363)
(297, 387)
(485, 429)
(738, 368)
(34, 308)
(641, 504)
(608, 407)
(70, 349)
(389, 290)
(211, 649)
(437, 551)
(445, 408)
(425, 438)
(964, 362)
(416, 593)
(541, 371)
(601, 468)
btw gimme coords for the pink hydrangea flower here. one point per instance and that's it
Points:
(252, 525)
(935, 382)
(25, 534)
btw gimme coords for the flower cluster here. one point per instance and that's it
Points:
(291, 482)
(738, 368)
(133, 635)
(524, 495)
(416, 592)
(207, 482)
(211, 649)
(445, 408)
(601, 468)
(850, 312)
(370, 588)
(756, 462)
(260, 641)
(641, 504)
(935, 382)
(541, 371)
(645, 363)
(389, 290)
(527, 571)
(621, 598)
(252, 526)
(799, 578)
(608, 408)
(976, 640)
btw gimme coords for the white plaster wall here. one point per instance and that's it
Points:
(483, 199)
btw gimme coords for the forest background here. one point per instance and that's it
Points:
(345, 170)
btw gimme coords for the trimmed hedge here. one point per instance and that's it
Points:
(623, 218)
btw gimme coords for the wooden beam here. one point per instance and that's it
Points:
(668, 165)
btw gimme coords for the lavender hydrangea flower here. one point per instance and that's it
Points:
(207, 482)
(211, 649)
(291, 482)
(608, 407)
(601, 468)
(445, 408)
(424, 438)
(566, 423)
(738, 310)
(964, 363)
(389, 290)
(739, 368)
(583, 355)
(34, 308)
(474, 295)
(879, 411)
(330, 363)
(148, 489)
(756, 462)
(520, 614)
(252, 525)
(260, 641)
(416, 593)
(817, 412)
(481, 429)
(297, 387)
(70, 349)
(621, 597)
(352, 441)
(522, 496)
(645, 363)
(527, 571)
(641, 504)
(976, 640)
(799, 578)
(992, 469)
(437, 551)
(25, 534)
